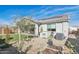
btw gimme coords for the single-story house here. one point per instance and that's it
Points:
(44, 27)
(58, 24)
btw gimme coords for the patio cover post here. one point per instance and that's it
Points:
(19, 41)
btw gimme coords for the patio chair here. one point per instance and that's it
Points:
(59, 36)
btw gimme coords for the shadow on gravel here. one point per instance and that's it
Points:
(75, 44)
(6, 48)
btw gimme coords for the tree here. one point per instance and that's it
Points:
(24, 25)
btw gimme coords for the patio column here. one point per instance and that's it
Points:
(36, 29)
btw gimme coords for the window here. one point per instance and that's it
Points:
(51, 27)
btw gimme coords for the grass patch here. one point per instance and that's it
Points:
(15, 37)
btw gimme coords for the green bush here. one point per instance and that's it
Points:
(68, 44)
(7, 38)
(71, 46)
(50, 37)
(2, 41)
(0, 36)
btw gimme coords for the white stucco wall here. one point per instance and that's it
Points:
(62, 28)
(59, 27)
(44, 26)
(65, 28)
(44, 32)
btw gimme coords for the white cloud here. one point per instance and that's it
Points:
(33, 12)
(41, 10)
(44, 13)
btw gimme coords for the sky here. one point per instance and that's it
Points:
(8, 12)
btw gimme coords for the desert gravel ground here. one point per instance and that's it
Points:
(38, 44)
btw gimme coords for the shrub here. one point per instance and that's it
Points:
(7, 39)
(2, 41)
(71, 46)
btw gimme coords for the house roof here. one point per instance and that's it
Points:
(56, 19)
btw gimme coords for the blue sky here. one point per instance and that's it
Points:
(7, 12)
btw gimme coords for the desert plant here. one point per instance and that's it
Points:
(70, 46)
(7, 38)
(50, 42)
(50, 37)
(2, 41)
